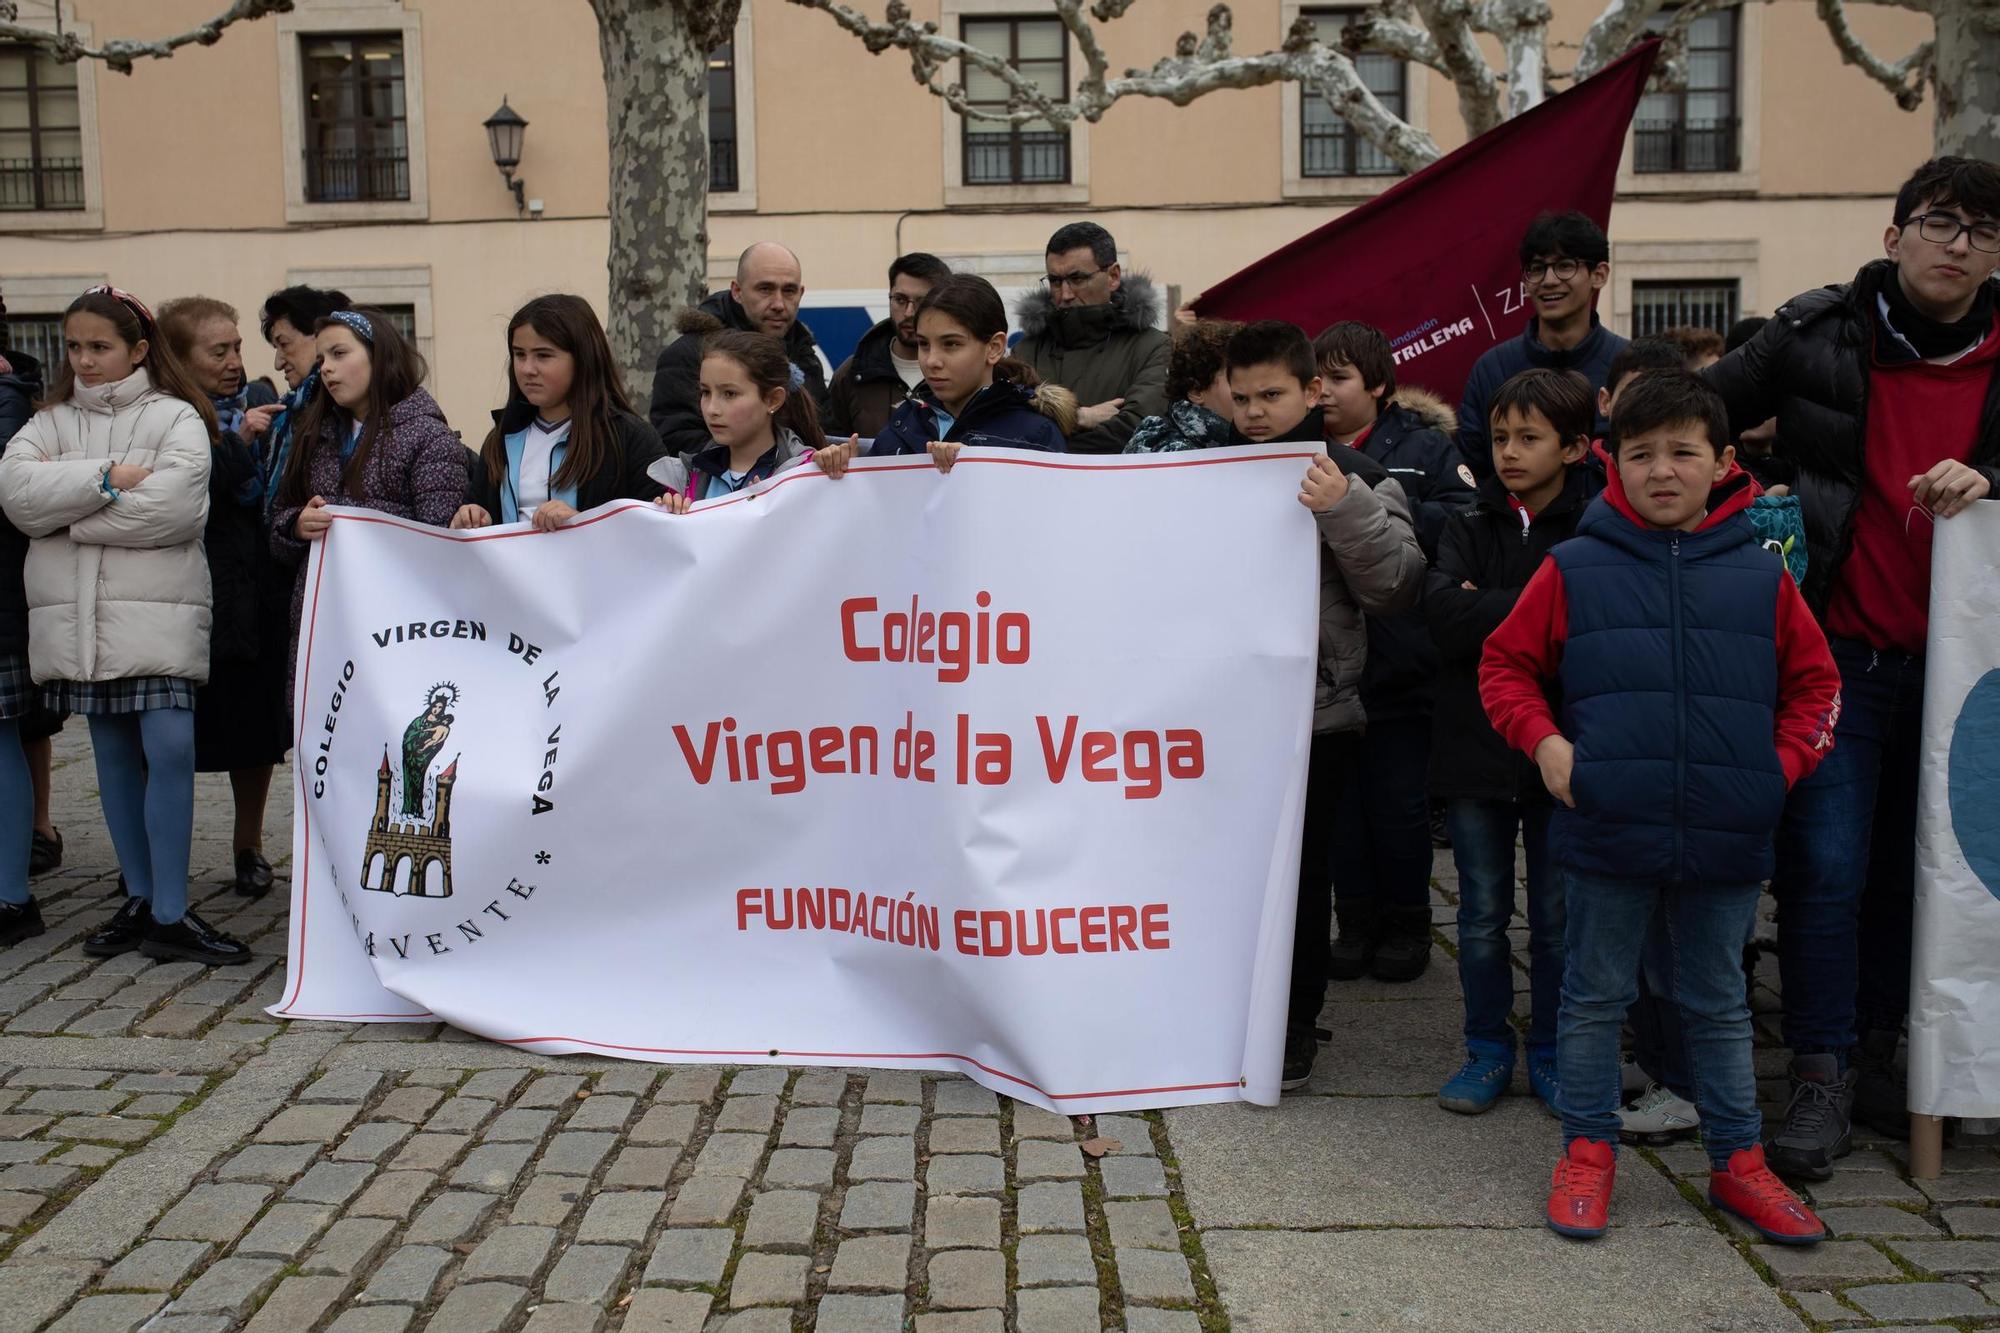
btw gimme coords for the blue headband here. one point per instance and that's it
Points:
(363, 329)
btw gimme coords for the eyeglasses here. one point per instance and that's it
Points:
(1945, 229)
(1073, 281)
(1564, 269)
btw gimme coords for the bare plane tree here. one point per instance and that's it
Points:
(655, 56)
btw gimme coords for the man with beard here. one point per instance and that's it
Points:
(883, 370)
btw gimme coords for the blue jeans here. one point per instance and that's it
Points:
(1846, 847)
(1482, 847)
(1699, 965)
(1382, 826)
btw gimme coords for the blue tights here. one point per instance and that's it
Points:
(145, 774)
(17, 814)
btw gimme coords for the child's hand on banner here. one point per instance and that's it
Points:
(944, 453)
(1555, 756)
(673, 503)
(833, 459)
(1324, 487)
(471, 516)
(552, 514)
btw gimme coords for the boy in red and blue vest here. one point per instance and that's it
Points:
(1695, 690)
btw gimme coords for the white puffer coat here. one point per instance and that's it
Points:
(116, 588)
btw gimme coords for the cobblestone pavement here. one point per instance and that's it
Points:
(172, 1158)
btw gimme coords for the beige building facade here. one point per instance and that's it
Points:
(343, 144)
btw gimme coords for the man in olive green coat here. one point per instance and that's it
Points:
(1090, 329)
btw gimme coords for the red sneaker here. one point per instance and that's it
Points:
(1580, 1194)
(1751, 1192)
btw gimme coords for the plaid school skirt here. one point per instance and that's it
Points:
(134, 694)
(18, 691)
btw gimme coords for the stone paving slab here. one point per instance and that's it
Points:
(237, 1172)
(1646, 1280)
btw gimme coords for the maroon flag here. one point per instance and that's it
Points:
(1432, 261)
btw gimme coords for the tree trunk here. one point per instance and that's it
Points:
(1967, 81)
(656, 99)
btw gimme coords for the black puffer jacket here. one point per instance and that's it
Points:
(1809, 368)
(675, 410)
(1487, 547)
(1412, 441)
(19, 389)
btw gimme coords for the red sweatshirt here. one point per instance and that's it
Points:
(1525, 654)
(1919, 414)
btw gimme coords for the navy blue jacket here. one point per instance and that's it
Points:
(1002, 414)
(1487, 547)
(1670, 678)
(1590, 358)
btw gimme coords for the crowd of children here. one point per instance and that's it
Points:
(1587, 615)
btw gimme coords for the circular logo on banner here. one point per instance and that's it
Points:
(423, 718)
(1974, 782)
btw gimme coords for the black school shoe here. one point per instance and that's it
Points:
(253, 874)
(20, 921)
(1359, 931)
(122, 933)
(44, 854)
(194, 940)
(1404, 949)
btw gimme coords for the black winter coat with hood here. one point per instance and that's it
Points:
(19, 388)
(1809, 367)
(1486, 546)
(675, 410)
(1100, 352)
(1412, 440)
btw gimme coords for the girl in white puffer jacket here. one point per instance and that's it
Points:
(110, 481)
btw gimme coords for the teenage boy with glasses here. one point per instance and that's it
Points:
(1888, 404)
(1565, 262)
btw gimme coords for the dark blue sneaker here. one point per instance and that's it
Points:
(1542, 1078)
(1479, 1083)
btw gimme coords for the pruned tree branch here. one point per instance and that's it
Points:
(1450, 23)
(1199, 66)
(121, 53)
(1905, 79)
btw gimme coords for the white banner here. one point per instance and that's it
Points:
(1955, 968)
(999, 771)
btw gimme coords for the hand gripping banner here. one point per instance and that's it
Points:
(998, 771)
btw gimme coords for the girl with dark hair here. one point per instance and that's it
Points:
(973, 392)
(110, 481)
(241, 721)
(760, 420)
(568, 439)
(370, 437)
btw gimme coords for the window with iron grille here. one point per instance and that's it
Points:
(40, 336)
(1328, 145)
(41, 132)
(356, 124)
(1036, 153)
(722, 177)
(1699, 127)
(1659, 306)
(404, 317)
